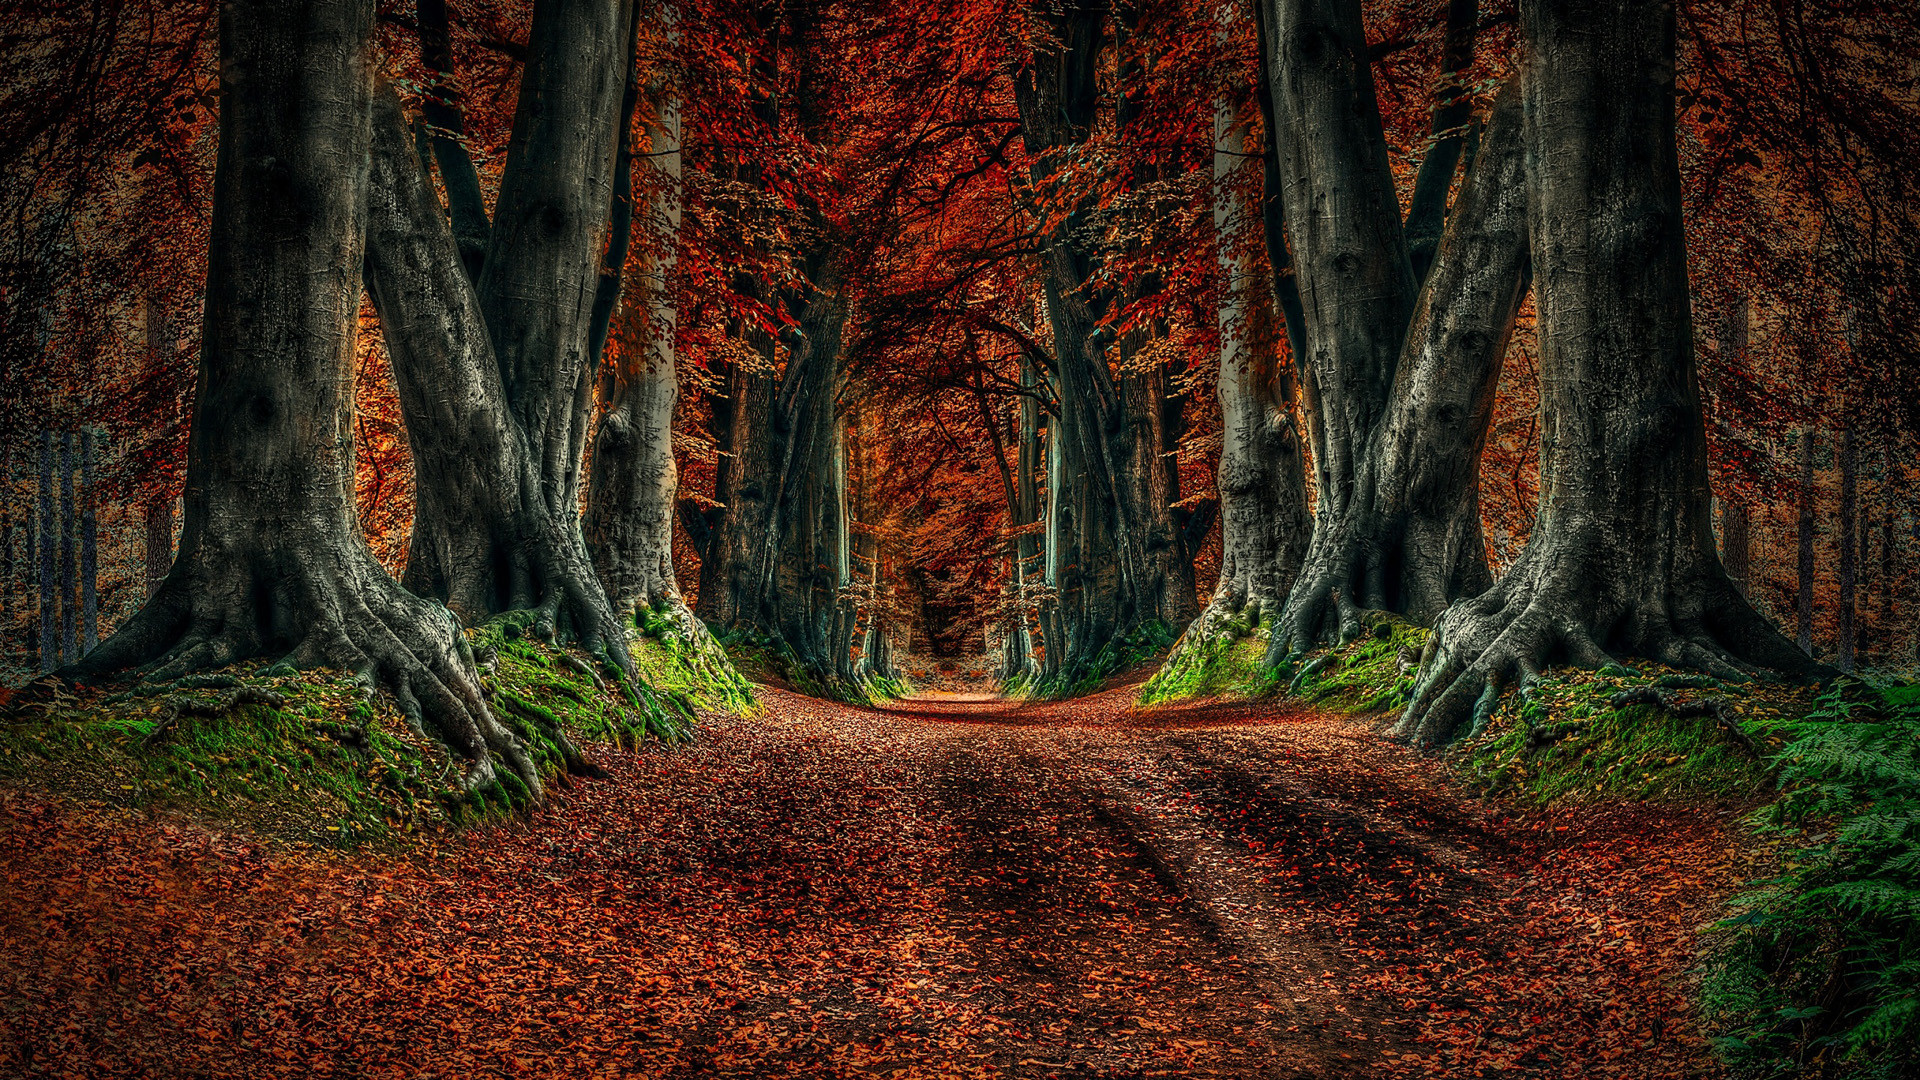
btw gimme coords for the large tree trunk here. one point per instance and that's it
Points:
(498, 453)
(1621, 559)
(1407, 535)
(271, 559)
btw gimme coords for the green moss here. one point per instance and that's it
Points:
(1117, 655)
(768, 658)
(325, 767)
(1229, 662)
(1563, 740)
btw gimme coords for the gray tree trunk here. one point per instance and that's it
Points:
(1264, 520)
(630, 502)
(89, 549)
(48, 565)
(447, 128)
(272, 561)
(1452, 109)
(494, 376)
(69, 540)
(1405, 533)
(1621, 559)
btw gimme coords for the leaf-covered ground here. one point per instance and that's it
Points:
(944, 887)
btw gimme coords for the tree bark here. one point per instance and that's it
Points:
(1264, 520)
(1803, 605)
(495, 377)
(1843, 644)
(446, 130)
(1736, 550)
(48, 566)
(630, 501)
(1452, 109)
(69, 540)
(1407, 536)
(1621, 559)
(272, 561)
(89, 549)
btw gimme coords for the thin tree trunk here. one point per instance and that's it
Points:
(1452, 109)
(1736, 551)
(1844, 631)
(69, 567)
(89, 549)
(630, 502)
(447, 128)
(49, 565)
(1621, 559)
(271, 559)
(1805, 532)
(1889, 581)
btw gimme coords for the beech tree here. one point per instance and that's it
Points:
(271, 560)
(1622, 560)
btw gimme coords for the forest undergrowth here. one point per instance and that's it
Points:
(317, 757)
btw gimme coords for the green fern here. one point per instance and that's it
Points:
(1819, 970)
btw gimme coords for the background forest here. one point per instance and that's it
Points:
(881, 144)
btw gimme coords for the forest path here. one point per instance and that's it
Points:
(945, 887)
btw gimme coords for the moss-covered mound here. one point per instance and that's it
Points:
(1115, 657)
(317, 757)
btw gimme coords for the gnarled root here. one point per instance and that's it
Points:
(329, 606)
(1510, 633)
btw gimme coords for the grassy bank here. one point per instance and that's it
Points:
(314, 757)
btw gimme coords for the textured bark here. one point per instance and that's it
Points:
(271, 560)
(1621, 559)
(496, 377)
(1407, 538)
(1736, 552)
(89, 550)
(1452, 109)
(743, 482)
(159, 535)
(1264, 521)
(1849, 564)
(48, 566)
(630, 501)
(484, 538)
(447, 128)
(1114, 558)
(69, 539)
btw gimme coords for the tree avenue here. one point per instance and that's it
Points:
(697, 322)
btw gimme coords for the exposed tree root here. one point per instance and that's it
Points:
(328, 606)
(1511, 633)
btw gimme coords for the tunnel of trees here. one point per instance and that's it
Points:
(1011, 331)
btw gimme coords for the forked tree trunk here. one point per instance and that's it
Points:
(271, 560)
(495, 376)
(1452, 109)
(1621, 559)
(1405, 535)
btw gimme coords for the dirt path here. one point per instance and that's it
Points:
(949, 887)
